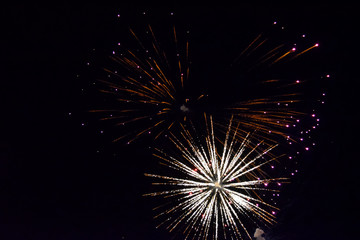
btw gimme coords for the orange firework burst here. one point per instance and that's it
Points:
(274, 105)
(149, 85)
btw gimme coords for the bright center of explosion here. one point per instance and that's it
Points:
(217, 184)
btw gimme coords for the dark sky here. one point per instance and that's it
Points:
(53, 183)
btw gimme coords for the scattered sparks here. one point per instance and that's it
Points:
(275, 120)
(148, 84)
(281, 110)
(215, 191)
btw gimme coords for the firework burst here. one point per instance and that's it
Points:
(276, 100)
(149, 85)
(215, 192)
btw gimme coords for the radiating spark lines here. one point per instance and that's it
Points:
(148, 84)
(272, 55)
(215, 192)
(269, 116)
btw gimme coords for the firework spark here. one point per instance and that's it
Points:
(270, 115)
(215, 193)
(148, 84)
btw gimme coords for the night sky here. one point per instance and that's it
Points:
(61, 180)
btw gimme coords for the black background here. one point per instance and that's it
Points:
(54, 184)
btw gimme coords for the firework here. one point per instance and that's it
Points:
(271, 106)
(215, 190)
(149, 85)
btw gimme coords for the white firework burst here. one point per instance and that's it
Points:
(215, 193)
